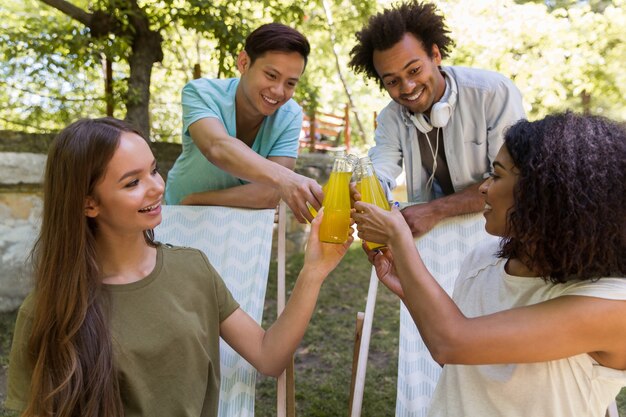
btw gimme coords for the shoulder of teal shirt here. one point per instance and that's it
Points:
(219, 88)
(287, 116)
(281, 132)
(206, 97)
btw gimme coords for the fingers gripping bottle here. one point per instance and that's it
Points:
(336, 222)
(370, 189)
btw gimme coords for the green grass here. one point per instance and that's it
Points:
(7, 322)
(323, 363)
(324, 359)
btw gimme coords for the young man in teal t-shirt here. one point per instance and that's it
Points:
(240, 135)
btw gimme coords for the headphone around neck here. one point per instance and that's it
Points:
(440, 113)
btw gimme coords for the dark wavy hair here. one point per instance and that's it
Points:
(568, 221)
(276, 37)
(387, 28)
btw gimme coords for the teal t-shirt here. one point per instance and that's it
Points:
(201, 98)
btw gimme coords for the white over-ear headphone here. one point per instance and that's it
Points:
(440, 112)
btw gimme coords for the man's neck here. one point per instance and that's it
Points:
(247, 120)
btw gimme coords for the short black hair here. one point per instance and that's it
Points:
(276, 37)
(569, 216)
(387, 28)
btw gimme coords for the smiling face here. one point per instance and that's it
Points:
(498, 193)
(268, 83)
(127, 199)
(409, 75)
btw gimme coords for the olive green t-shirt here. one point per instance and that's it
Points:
(165, 333)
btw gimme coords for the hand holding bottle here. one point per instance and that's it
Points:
(320, 256)
(375, 224)
(370, 191)
(385, 269)
(300, 193)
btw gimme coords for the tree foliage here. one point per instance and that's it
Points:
(69, 43)
(561, 54)
(595, 5)
(560, 58)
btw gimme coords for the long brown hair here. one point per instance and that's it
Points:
(70, 345)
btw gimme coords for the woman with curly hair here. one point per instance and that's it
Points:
(121, 325)
(536, 325)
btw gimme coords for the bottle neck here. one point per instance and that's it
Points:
(343, 164)
(366, 168)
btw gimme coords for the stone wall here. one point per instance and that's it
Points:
(22, 162)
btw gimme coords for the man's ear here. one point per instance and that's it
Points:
(243, 62)
(436, 54)
(91, 207)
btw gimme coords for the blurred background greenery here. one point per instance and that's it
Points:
(60, 60)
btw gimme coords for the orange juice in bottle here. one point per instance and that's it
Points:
(336, 222)
(311, 208)
(352, 159)
(370, 189)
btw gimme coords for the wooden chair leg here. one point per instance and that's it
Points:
(286, 393)
(284, 382)
(358, 331)
(291, 390)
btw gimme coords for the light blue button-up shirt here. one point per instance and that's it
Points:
(487, 103)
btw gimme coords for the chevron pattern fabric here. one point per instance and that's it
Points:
(238, 243)
(442, 249)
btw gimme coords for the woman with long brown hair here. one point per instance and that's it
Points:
(536, 325)
(121, 325)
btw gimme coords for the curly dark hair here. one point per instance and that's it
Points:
(386, 29)
(569, 217)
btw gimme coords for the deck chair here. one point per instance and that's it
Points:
(238, 243)
(285, 385)
(442, 250)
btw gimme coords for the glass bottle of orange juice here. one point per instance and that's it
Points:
(370, 189)
(336, 222)
(352, 159)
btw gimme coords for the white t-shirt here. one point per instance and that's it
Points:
(575, 386)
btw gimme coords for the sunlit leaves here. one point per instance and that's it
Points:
(556, 56)
(51, 68)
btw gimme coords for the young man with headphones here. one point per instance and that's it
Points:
(445, 123)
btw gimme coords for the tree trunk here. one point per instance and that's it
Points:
(586, 102)
(331, 30)
(146, 50)
(108, 85)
